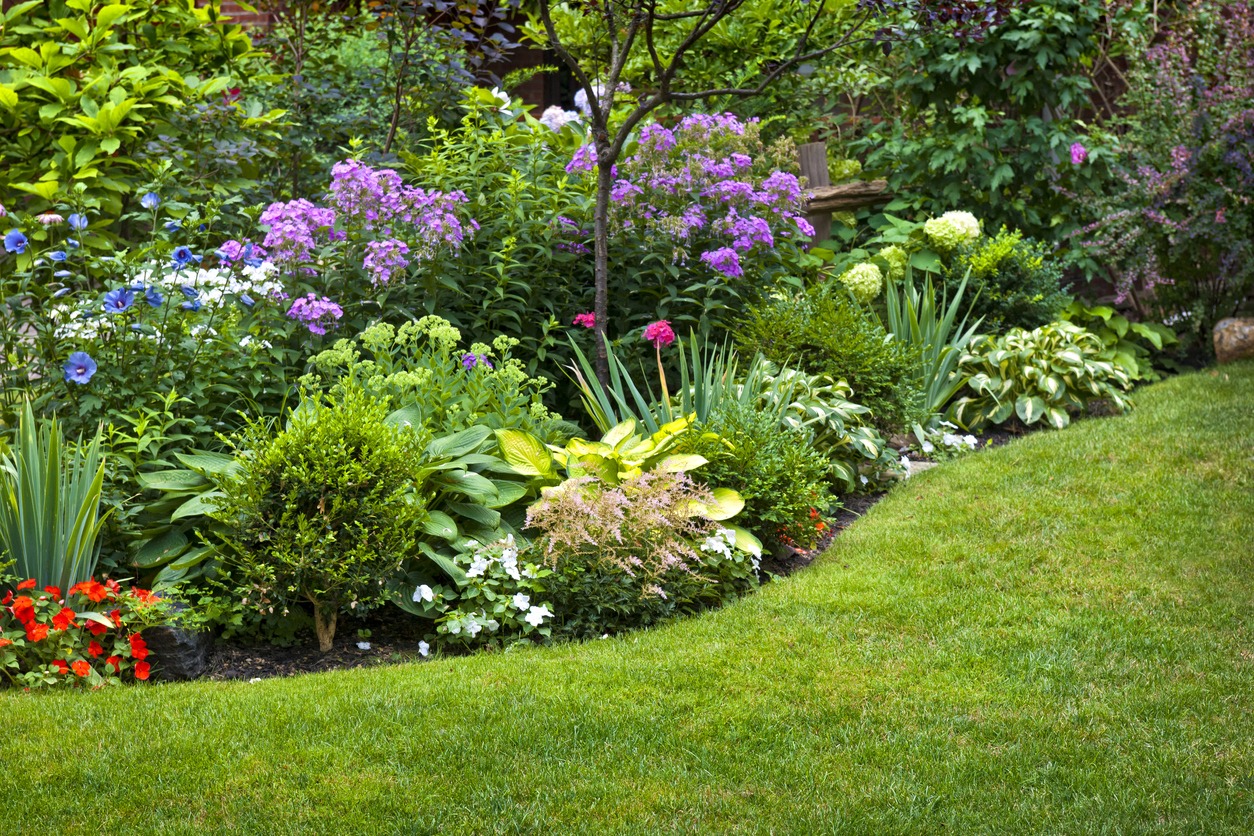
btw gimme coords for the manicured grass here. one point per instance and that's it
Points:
(1055, 636)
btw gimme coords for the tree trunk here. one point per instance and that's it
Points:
(601, 235)
(324, 625)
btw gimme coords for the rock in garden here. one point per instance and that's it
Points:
(1234, 339)
(178, 654)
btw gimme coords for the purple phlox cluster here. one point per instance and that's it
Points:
(570, 229)
(380, 201)
(656, 138)
(781, 188)
(585, 159)
(624, 190)
(385, 259)
(746, 233)
(243, 251)
(803, 226)
(294, 228)
(317, 314)
(724, 260)
(469, 361)
(708, 123)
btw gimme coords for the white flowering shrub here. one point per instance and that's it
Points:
(951, 230)
(865, 281)
(502, 600)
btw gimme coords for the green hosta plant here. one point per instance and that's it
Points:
(50, 503)
(1039, 376)
(1131, 345)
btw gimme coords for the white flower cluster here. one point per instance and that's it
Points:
(865, 281)
(508, 560)
(723, 541)
(216, 285)
(951, 230)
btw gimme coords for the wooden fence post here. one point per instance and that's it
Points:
(813, 159)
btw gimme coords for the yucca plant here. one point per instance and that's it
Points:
(50, 515)
(917, 319)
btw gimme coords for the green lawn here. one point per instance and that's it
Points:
(1055, 636)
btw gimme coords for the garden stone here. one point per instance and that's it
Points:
(1234, 339)
(178, 654)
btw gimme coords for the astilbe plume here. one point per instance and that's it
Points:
(642, 527)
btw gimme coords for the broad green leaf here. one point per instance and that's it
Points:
(172, 480)
(406, 416)
(507, 493)
(1057, 418)
(216, 464)
(109, 15)
(478, 513)
(525, 453)
(1029, 408)
(27, 56)
(458, 444)
(680, 463)
(440, 524)
(8, 97)
(746, 541)
(620, 432)
(160, 550)
(197, 506)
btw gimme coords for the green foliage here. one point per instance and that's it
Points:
(633, 554)
(989, 125)
(326, 510)
(916, 318)
(1040, 376)
(518, 274)
(1130, 345)
(1015, 283)
(50, 503)
(823, 331)
(779, 473)
(84, 89)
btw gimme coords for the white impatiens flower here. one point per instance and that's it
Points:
(521, 601)
(502, 99)
(478, 566)
(951, 440)
(970, 441)
(473, 627)
(536, 615)
(864, 479)
(424, 593)
(424, 649)
(363, 645)
(905, 464)
(927, 446)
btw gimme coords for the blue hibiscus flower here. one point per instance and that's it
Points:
(117, 301)
(79, 368)
(15, 241)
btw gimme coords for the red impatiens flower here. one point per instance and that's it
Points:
(116, 615)
(96, 628)
(143, 595)
(114, 662)
(62, 666)
(64, 619)
(139, 649)
(29, 583)
(94, 590)
(24, 610)
(54, 591)
(113, 586)
(82, 668)
(8, 598)
(141, 670)
(36, 632)
(5, 642)
(94, 649)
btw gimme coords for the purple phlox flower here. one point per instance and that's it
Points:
(385, 260)
(316, 313)
(749, 231)
(79, 368)
(623, 191)
(469, 361)
(741, 160)
(724, 260)
(246, 251)
(704, 124)
(292, 228)
(729, 191)
(659, 333)
(585, 159)
(781, 188)
(804, 226)
(117, 301)
(721, 169)
(657, 138)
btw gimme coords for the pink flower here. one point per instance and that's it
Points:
(659, 333)
(587, 320)
(1078, 153)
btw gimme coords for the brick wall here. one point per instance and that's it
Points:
(232, 10)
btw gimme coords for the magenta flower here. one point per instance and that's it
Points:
(1078, 154)
(587, 320)
(659, 333)
(316, 313)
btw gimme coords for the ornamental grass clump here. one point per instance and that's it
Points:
(325, 511)
(631, 554)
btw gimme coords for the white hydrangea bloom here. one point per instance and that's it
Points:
(952, 230)
(865, 281)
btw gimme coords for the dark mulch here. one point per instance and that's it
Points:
(391, 640)
(788, 559)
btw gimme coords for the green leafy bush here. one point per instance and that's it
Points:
(325, 511)
(1011, 282)
(84, 88)
(633, 554)
(1043, 375)
(1133, 346)
(823, 331)
(781, 476)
